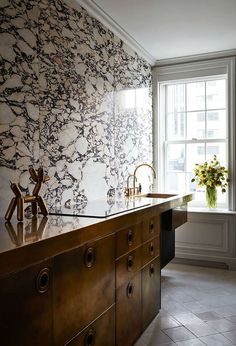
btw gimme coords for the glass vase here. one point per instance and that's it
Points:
(211, 197)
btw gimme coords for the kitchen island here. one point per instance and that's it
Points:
(72, 280)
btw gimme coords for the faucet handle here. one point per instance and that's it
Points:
(130, 190)
(139, 188)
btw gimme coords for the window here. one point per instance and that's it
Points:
(192, 126)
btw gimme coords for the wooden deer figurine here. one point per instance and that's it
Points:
(35, 199)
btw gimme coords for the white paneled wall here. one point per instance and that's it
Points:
(207, 237)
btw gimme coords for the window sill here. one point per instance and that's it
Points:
(211, 211)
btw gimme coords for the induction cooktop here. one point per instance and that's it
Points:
(100, 208)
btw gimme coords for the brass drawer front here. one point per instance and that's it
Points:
(151, 228)
(150, 250)
(127, 266)
(127, 239)
(100, 333)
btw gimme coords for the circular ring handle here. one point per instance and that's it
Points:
(89, 257)
(89, 339)
(130, 263)
(151, 226)
(43, 280)
(130, 237)
(151, 270)
(151, 249)
(130, 290)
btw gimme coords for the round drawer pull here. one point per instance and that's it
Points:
(130, 263)
(151, 249)
(89, 339)
(43, 280)
(151, 270)
(151, 226)
(130, 290)
(89, 257)
(130, 237)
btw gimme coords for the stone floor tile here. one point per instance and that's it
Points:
(182, 297)
(231, 319)
(216, 340)
(193, 342)
(196, 307)
(222, 325)
(175, 308)
(231, 336)
(157, 337)
(208, 316)
(166, 322)
(200, 329)
(226, 311)
(179, 334)
(186, 318)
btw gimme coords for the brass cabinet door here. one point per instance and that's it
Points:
(128, 312)
(84, 287)
(100, 333)
(151, 297)
(26, 306)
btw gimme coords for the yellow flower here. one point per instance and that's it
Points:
(211, 174)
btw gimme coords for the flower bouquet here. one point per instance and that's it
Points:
(212, 175)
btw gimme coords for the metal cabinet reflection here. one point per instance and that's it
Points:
(26, 233)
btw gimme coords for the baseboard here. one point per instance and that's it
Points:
(201, 263)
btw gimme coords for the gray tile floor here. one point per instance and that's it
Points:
(198, 308)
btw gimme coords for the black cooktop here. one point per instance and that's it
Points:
(100, 208)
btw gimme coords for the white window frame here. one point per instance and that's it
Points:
(225, 66)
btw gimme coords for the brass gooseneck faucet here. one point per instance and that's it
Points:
(135, 190)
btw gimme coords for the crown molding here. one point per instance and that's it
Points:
(98, 13)
(197, 57)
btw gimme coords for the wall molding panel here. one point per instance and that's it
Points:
(207, 238)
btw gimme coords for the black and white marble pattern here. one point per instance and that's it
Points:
(74, 98)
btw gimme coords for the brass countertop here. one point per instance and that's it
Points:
(31, 241)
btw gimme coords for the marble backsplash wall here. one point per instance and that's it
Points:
(73, 98)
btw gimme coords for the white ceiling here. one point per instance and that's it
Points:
(175, 28)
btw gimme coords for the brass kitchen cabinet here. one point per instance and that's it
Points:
(138, 282)
(26, 306)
